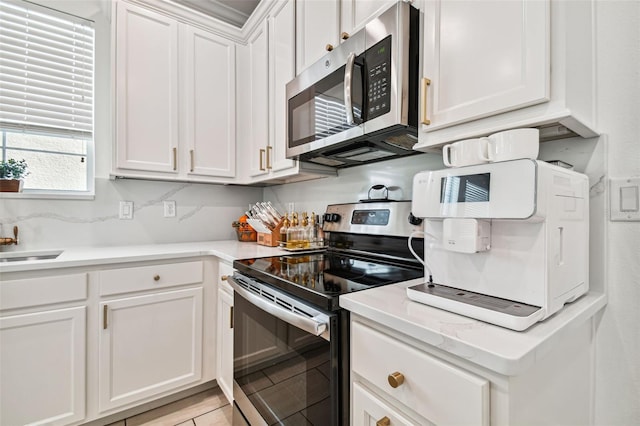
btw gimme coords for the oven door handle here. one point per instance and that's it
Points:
(307, 324)
(348, 78)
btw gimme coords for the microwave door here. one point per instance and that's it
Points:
(328, 111)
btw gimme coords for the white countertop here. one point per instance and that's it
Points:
(228, 250)
(499, 349)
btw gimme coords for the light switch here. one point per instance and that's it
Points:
(629, 198)
(625, 199)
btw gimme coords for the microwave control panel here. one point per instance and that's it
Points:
(378, 65)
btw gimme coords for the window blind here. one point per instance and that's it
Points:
(46, 70)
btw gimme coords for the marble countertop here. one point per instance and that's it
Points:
(499, 349)
(228, 250)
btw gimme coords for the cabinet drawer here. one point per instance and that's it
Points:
(126, 280)
(440, 392)
(41, 291)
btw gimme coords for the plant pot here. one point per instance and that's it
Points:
(11, 185)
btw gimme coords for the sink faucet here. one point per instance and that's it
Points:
(5, 241)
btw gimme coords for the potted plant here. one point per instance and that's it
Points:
(11, 174)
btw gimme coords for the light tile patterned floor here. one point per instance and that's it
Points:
(208, 408)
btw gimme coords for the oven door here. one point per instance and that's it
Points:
(287, 358)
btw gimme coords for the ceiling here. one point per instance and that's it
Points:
(234, 12)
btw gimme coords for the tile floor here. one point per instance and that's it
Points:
(208, 408)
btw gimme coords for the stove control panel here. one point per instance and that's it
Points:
(373, 218)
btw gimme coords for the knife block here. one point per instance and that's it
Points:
(266, 237)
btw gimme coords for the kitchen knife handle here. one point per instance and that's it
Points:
(423, 97)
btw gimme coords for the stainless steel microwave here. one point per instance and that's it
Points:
(359, 103)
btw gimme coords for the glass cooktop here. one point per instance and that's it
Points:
(320, 278)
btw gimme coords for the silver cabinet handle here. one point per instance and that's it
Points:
(348, 77)
(307, 324)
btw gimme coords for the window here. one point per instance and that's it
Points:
(46, 96)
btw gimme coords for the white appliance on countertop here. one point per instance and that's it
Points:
(506, 242)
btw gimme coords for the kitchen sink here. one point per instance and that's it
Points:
(22, 256)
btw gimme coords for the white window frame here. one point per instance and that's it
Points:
(58, 130)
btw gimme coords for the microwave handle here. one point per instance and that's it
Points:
(348, 78)
(307, 324)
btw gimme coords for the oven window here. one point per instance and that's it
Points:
(283, 371)
(319, 111)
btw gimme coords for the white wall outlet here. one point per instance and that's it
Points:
(126, 210)
(169, 208)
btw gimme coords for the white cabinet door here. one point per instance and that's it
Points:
(224, 325)
(484, 58)
(42, 367)
(317, 25)
(282, 44)
(225, 343)
(209, 103)
(148, 345)
(354, 14)
(258, 114)
(146, 90)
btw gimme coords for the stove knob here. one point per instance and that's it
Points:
(326, 217)
(335, 217)
(414, 220)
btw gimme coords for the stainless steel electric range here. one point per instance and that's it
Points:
(291, 338)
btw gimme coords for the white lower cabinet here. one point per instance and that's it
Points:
(434, 390)
(225, 332)
(400, 380)
(42, 367)
(80, 345)
(149, 343)
(43, 351)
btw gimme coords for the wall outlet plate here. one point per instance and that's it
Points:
(624, 201)
(169, 208)
(126, 210)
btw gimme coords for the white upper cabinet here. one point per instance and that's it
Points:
(209, 103)
(146, 90)
(486, 57)
(496, 65)
(323, 25)
(282, 51)
(317, 26)
(175, 99)
(256, 93)
(354, 14)
(265, 66)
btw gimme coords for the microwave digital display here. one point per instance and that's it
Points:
(465, 189)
